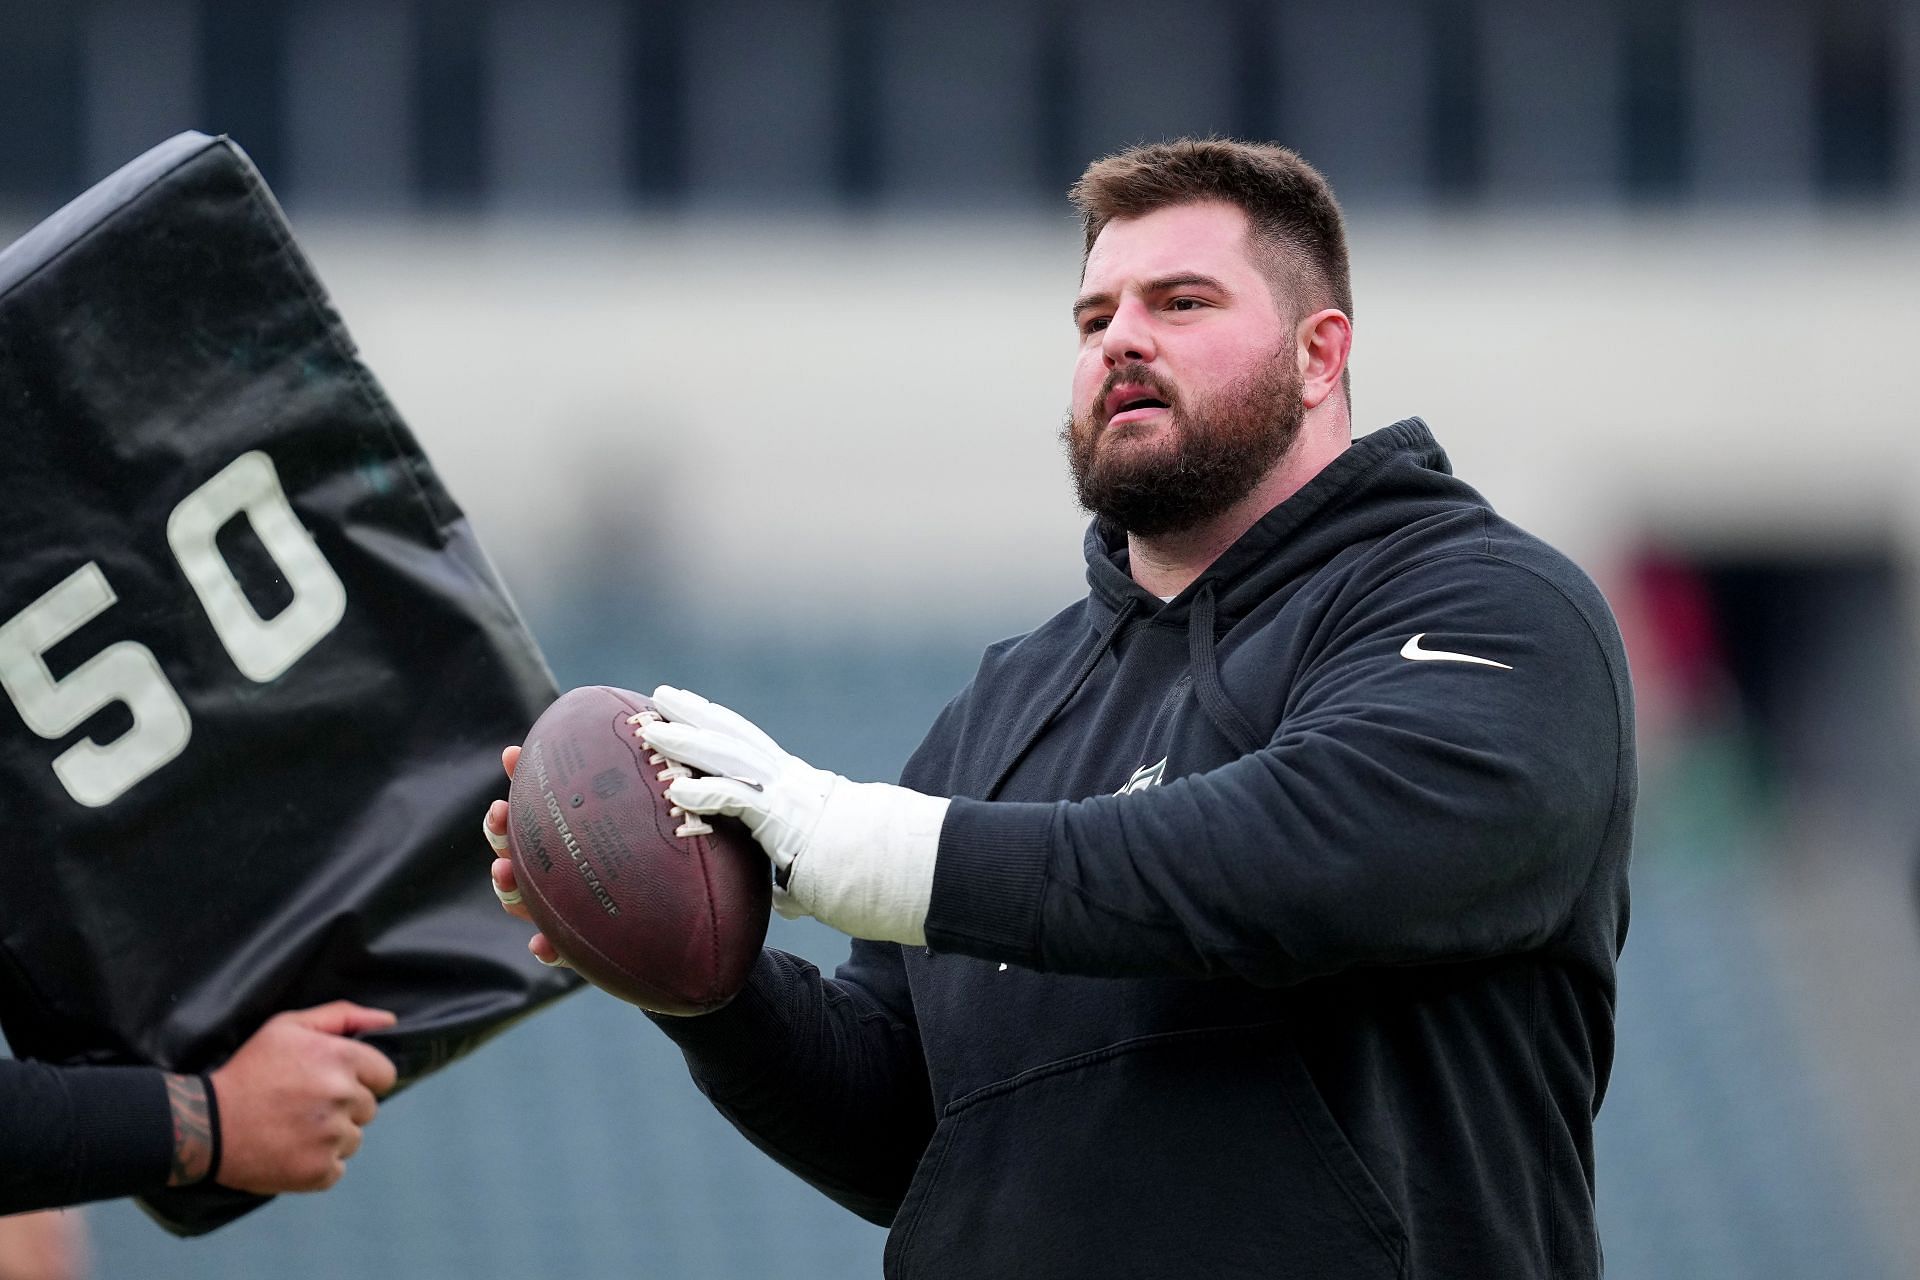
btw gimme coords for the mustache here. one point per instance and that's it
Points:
(1137, 374)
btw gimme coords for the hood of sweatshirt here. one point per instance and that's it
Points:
(1383, 482)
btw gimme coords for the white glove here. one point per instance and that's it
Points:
(855, 855)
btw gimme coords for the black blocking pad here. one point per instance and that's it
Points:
(257, 670)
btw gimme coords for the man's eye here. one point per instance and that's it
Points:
(1093, 324)
(1186, 304)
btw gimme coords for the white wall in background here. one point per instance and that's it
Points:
(860, 418)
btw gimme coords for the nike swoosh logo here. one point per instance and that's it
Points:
(1412, 650)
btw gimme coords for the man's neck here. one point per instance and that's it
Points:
(1167, 565)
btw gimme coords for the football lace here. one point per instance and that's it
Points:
(692, 825)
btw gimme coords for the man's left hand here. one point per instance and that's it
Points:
(855, 855)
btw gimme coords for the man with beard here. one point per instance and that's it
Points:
(1256, 915)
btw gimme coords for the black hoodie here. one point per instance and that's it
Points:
(1273, 927)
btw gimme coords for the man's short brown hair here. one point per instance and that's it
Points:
(1290, 207)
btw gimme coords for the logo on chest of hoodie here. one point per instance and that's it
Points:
(1147, 775)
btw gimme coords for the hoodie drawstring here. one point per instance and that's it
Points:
(1201, 661)
(1120, 617)
(1205, 669)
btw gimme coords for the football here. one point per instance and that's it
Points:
(662, 908)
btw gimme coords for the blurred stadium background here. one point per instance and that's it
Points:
(739, 327)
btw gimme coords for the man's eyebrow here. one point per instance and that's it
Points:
(1088, 301)
(1184, 280)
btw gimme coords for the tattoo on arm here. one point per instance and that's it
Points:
(192, 1130)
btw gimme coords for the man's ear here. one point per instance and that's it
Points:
(1323, 342)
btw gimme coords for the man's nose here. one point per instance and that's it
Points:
(1128, 338)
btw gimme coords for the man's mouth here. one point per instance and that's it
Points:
(1132, 404)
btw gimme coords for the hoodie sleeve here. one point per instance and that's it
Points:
(1439, 786)
(827, 1075)
(824, 1075)
(73, 1134)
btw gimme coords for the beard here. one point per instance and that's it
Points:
(1213, 453)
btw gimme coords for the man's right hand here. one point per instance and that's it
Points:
(295, 1097)
(505, 886)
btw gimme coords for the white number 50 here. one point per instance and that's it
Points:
(127, 672)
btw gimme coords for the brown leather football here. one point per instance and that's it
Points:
(662, 908)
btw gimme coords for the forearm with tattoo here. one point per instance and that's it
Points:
(192, 1130)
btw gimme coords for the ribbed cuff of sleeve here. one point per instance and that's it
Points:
(989, 880)
(123, 1130)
